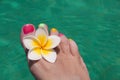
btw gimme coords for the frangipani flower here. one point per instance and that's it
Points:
(41, 45)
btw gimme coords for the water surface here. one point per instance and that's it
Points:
(94, 25)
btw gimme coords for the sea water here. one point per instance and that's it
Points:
(93, 24)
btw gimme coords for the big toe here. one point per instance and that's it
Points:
(27, 29)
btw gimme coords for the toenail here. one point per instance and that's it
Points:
(70, 39)
(41, 25)
(54, 30)
(60, 34)
(28, 28)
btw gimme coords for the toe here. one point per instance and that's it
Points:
(75, 52)
(64, 44)
(44, 26)
(27, 29)
(74, 48)
(54, 31)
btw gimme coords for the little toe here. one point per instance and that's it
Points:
(64, 44)
(74, 48)
(75, 52)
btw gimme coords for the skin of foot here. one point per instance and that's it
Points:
(68, 66)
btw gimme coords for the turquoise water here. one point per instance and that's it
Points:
(93, 24)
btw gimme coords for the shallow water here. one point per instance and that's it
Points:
(94, 25)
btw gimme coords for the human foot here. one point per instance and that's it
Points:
(68, 66)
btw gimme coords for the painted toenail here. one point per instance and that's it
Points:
(28, 28)
(70, 39)
(54, 30)
(41, 25)
(60, 34)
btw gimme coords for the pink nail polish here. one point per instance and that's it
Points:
(28, 28)
(60, 34)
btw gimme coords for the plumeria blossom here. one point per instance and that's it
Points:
(41, 45)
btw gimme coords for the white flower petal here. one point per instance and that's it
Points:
(30, 42)
(49, 55)
(34, 54)
(53, 41)
(42, 35)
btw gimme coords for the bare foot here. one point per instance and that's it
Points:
(68, 66)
